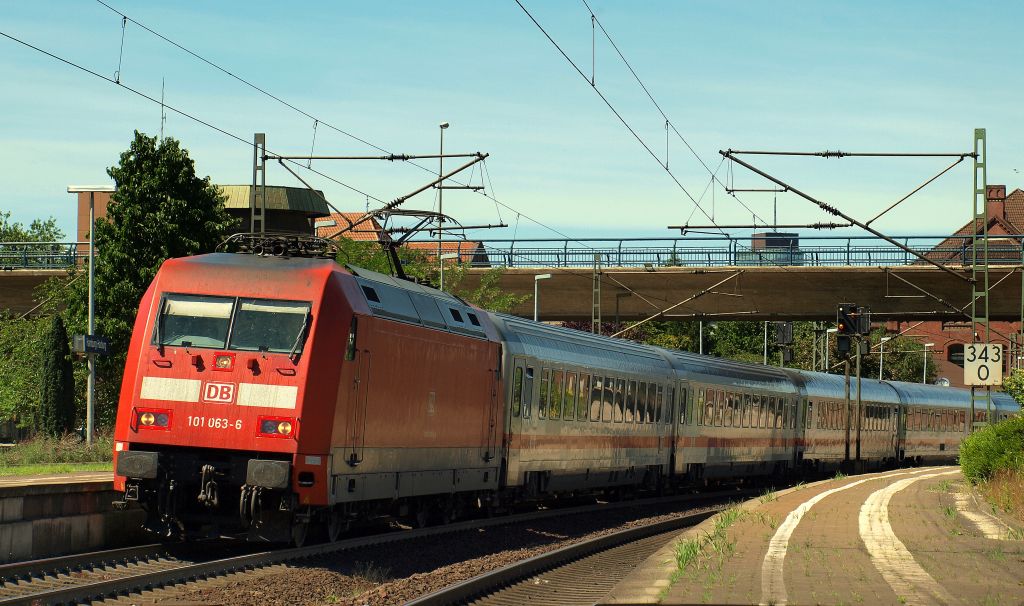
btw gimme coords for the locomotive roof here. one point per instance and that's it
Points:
(227, 273)
(568, 346)
(413, 303)
(823, 385)
(696, 367)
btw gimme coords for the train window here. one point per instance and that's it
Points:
(659, 402)
(746, 410)
(683, 406)
(642, 402)
(773, 412)
(719, 408)
(555, 409)
(620, 392)
(794, 412)
(596, 390)
(473, 319)
(371, 294)
(528, 392)
(194, 321)
(699, 406)
(265, 325)
(570, 396)
(542, 403)
(631, 402)
(607, 399)
(455, 314)
(783, 413)
(727, 410)
(649, 408)
(737, 409)
(517, 391)
(808, 414)
(583, 402)
(755, 410)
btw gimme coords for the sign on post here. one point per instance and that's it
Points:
(90, 344)
(983, 364)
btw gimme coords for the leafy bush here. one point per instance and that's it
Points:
(994, 448)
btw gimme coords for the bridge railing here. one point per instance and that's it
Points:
(41, 255)
(827, 251)
(704, 251)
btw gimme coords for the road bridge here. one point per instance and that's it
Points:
(760, 293)
(799, 279)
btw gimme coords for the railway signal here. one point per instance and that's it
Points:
(852, 319)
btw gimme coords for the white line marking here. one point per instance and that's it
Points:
(773, 584)
(890, 556)
(990, 526)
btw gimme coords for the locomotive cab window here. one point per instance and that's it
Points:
(273, 326)
(193, 321)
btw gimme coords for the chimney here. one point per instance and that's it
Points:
(995, 198)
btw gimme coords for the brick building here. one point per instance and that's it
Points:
(1005, 216)
(370, 231)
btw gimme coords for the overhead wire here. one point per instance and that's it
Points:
(668, 121)
(308, 115)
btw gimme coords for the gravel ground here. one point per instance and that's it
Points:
(396, 573)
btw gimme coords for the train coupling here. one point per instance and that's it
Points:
(131, 493)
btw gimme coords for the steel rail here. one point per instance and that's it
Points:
(186, 572)
(46, 566)
(496, 579)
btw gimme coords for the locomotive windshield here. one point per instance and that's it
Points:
(263, 325)
(194, 321)
(230, 323)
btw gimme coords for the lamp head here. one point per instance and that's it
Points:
(444, 125)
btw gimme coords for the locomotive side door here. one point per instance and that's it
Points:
(491, 417)
(518, 401)
(360, 395)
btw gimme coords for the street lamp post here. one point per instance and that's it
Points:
(536, 291)
(924, 373)
(881, 355)
(445, 257)
(440, 200)
(90, 392)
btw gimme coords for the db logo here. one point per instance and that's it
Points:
(222, 393)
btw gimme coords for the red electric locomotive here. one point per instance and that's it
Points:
(245, 395)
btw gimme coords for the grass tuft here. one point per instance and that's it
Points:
(44, 454)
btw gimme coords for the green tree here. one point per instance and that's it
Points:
(743, 341)
(57, 386)
(1013, 384)
(37, 231)
(160, 210)
(19, 367)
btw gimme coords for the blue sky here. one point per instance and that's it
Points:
(865, 76)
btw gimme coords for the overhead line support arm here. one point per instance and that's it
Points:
(730, 154)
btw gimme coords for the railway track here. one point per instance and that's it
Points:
(581, 573)
(96, 576)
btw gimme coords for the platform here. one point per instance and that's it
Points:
(915, 536)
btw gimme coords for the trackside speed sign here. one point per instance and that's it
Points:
(983, 364)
